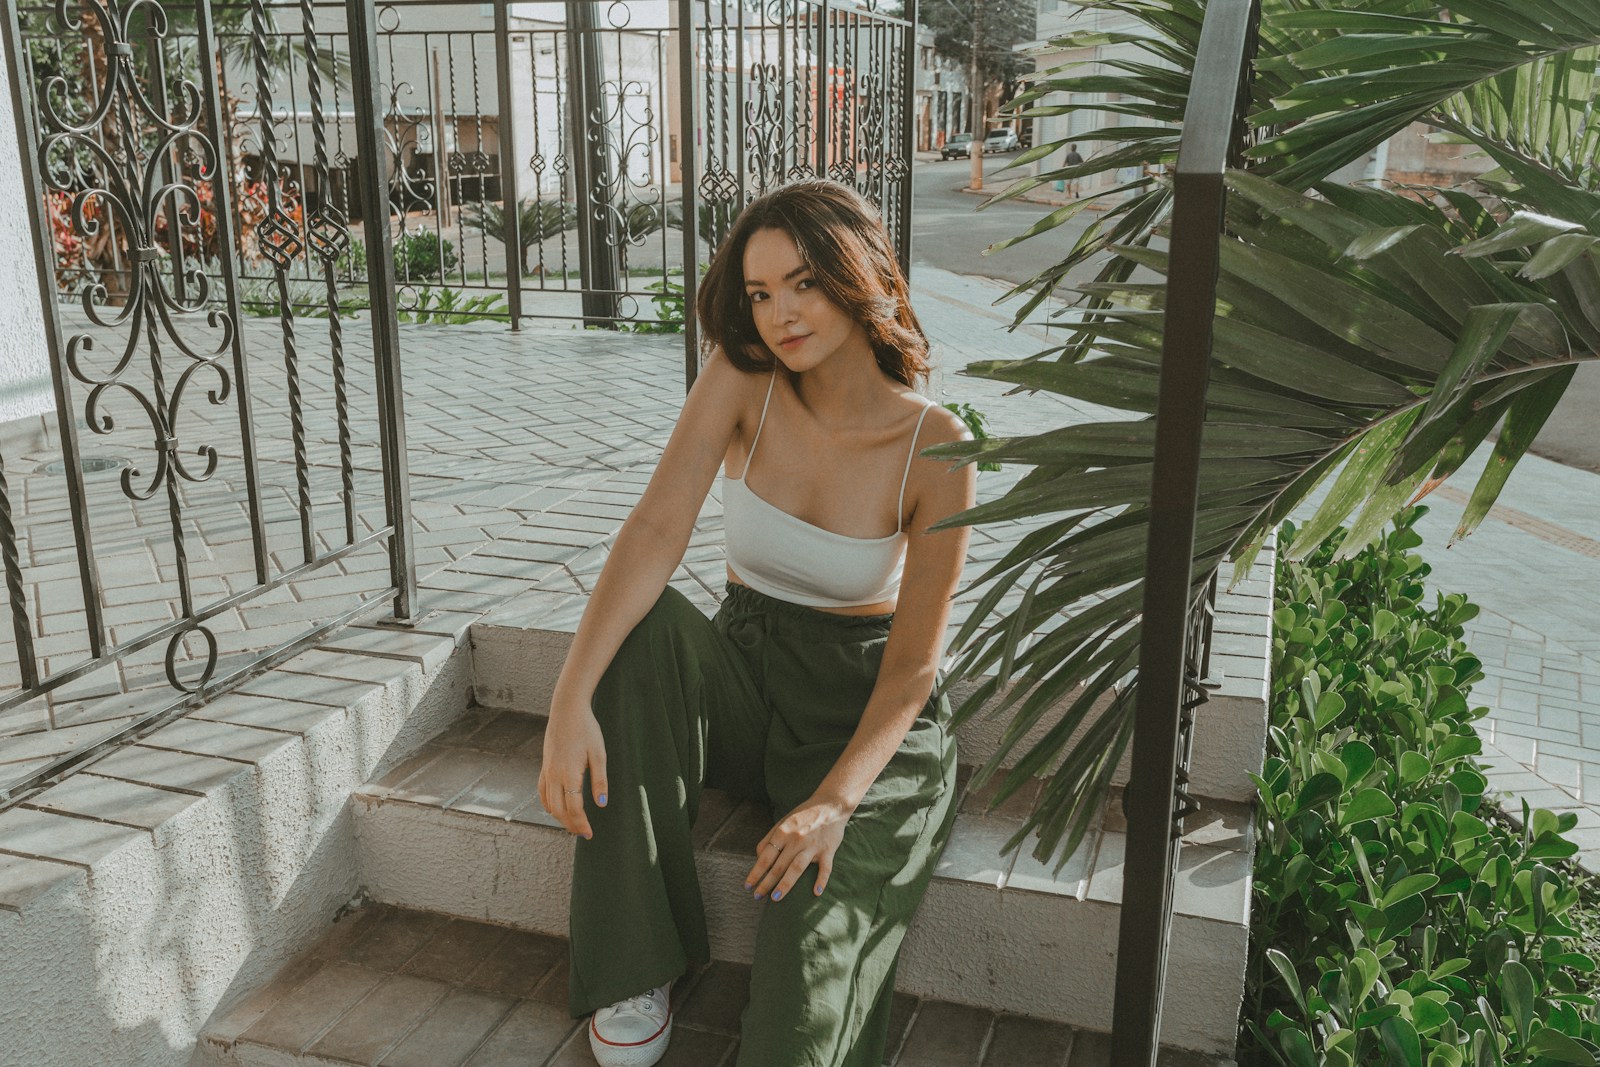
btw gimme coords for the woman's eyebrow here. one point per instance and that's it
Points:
(801, 269)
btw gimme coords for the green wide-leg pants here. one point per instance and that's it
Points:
(759, 701)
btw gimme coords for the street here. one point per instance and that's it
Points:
(948, 231)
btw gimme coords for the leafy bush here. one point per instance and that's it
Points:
(452, 307)
(352, 262)
(669, 304)
(1396, 920)
(423, 255)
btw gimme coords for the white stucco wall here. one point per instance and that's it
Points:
(24, 363)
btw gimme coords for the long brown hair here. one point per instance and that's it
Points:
(842, 239)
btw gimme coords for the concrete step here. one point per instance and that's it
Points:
(458, 829)
(406, 988)
(519, 647)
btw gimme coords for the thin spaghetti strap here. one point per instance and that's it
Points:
(900, 508)
(756, 440)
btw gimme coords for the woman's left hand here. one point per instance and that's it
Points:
(809, 834)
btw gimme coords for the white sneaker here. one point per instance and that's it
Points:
(633, 1032)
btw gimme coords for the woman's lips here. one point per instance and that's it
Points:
(792, 341)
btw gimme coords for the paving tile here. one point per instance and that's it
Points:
(393, 939)
(695, 1048)
(381, 1020)
(445, 778)
(266, 713)
(451, 1032)
(63, 838)
(226, 1028)
(1041, 876)
(972, 854)
(224, 740)
(946, 1035)
(718, 998)
(182, 771)
(300, 1018)
(902, 1013)
(1019, 1041)
(510, 784)
(24, 879)
(111, 800)
(454, 950)
(517, 963)
(744, 829)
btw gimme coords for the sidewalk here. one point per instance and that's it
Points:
(1533, 566)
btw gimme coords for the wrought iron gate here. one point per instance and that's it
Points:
(133, 180)
(234, 201)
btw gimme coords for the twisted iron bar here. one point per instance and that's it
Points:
(21, 624)
(328, 234)
(280, 243)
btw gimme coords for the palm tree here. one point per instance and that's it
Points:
(536, 222)
(1377, 332)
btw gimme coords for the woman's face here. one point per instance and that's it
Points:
(794, 317)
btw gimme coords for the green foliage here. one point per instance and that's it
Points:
(352, 262)
(1395, 919)
(452, 307)
(669, 305)
(1006, 24)
(423, 255)
(1374, 336)
(977, 424)
(537, 221)
(440, 307)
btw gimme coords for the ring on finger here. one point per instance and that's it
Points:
(571, 792)
(775, 844)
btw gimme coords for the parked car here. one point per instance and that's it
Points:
(959, 144)
(1001, 140)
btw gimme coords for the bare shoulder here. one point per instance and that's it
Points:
(942, 426)
(723, 393)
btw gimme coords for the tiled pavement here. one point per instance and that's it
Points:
(1533, 567)
(551, 428)
(413, 989)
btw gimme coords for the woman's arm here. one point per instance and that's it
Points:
(905, 679)
(649, 546)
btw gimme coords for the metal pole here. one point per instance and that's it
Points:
(371, 160)
(980, 103)
(908, 138)
(824, 89)
(597, 250)
(510, 197)
(33, 192)
(688, 206)
(1151, 798)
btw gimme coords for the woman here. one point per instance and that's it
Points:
(811, 690)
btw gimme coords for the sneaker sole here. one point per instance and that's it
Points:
(644, 1053)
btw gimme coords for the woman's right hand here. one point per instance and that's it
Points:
(572, 744)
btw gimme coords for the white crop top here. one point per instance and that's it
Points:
(777, 554)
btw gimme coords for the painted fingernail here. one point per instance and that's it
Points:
(818, 890)
(588, 837)
(749, 885)
(777, 894)
(758, 896)
(602, 800)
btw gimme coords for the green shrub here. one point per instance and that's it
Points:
(423, 255)
(1396, 920)
(669, 304)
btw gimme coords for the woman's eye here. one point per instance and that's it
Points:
(803, 281)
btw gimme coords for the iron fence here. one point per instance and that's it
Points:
(165, 483)
(1175, 637)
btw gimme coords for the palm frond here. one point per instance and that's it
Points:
(1334, 353)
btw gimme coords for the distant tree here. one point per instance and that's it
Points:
(1006, 24)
